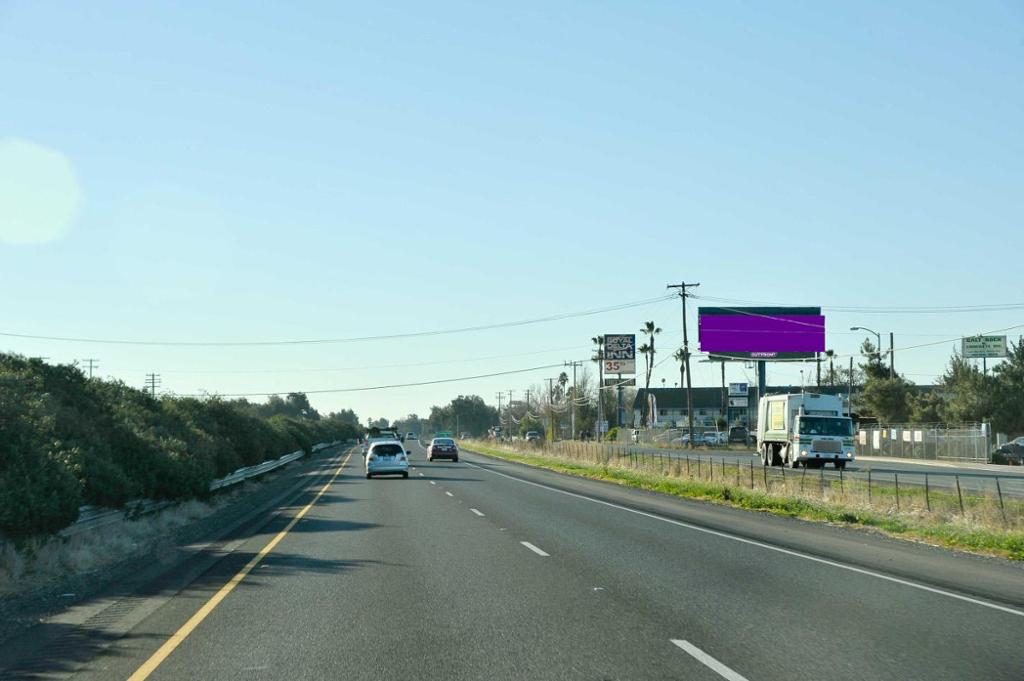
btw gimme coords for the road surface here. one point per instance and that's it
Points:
(485, 569)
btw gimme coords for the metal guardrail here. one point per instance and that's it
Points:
(93, 517)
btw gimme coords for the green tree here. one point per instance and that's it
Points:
(928, 407)
(971, 393)
(1008, 403)
(887, 399)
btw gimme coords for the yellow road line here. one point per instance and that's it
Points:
(157, 658)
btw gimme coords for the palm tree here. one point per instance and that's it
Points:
(647, 350)
(680, 357)
(598, 357)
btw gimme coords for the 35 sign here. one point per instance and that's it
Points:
(620, 353)
(620, 366)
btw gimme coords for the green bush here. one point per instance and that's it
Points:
(612, 435)
(66, 440)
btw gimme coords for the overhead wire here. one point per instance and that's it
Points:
(354, 339)
(378, 387)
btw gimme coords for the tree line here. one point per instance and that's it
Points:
(67, 440)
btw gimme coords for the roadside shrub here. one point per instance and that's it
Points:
(66, 440)
(612, 435)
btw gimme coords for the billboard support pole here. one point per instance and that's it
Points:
(762, 380)
(683, 295)
(620, 411)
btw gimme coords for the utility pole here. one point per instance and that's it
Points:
(851, 384)
(510, 412)
(152, 383)
(725, 398)
(572, 418)
(817, 358)
(551, 410)
(892, 358)
(92, 363)
(500, 395)
(683, 295)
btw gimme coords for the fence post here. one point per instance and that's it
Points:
(842, 489)
(927, 494)
(897, 477)
(1002, 510)
(687, 466)
(802, 476)
(723, 470)
(711, 469)
(751, 474)
(959, 495)
(869, 487)
(765, 478)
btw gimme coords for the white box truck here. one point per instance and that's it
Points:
(804, 429)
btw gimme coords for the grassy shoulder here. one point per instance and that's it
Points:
(1008, 544)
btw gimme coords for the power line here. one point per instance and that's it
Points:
(379, 387)
(461, 360)
(895, 309)
(355, 339)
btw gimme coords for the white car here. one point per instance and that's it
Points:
(715, 437)
(387, 458)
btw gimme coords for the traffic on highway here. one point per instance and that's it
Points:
(472, 341)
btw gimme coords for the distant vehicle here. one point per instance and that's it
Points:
(683, 439)
(411, 436)
(443, 448)
(739, 435)
(532, 436)
(1011, 453)
(463, 436)
(804, 428)
(383, 437)
(713, 438)
(387, 458)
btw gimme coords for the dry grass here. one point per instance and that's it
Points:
(44, 560)
(984, 525)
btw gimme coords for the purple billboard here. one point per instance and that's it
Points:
(761, 332)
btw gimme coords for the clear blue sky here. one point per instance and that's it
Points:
(230, 171)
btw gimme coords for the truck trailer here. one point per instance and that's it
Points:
(805, 429)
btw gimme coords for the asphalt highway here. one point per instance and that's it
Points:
(485, 569)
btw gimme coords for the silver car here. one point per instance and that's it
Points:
(387, 458)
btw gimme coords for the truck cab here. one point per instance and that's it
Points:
(805, 429)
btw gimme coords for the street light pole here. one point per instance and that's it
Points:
(878, 343)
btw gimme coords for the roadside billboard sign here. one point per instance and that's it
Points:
(620, 353)
(624, 382)
(741, 402)
(773, 333)
(982, 347)
(739, 389)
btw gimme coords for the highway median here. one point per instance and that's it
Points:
(974, 522)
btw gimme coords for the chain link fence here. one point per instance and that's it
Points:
(935, 442)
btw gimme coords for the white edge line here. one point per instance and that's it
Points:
(534, 549)
(708, 661)
(477, 512)
(754, 542)
(449, 494)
